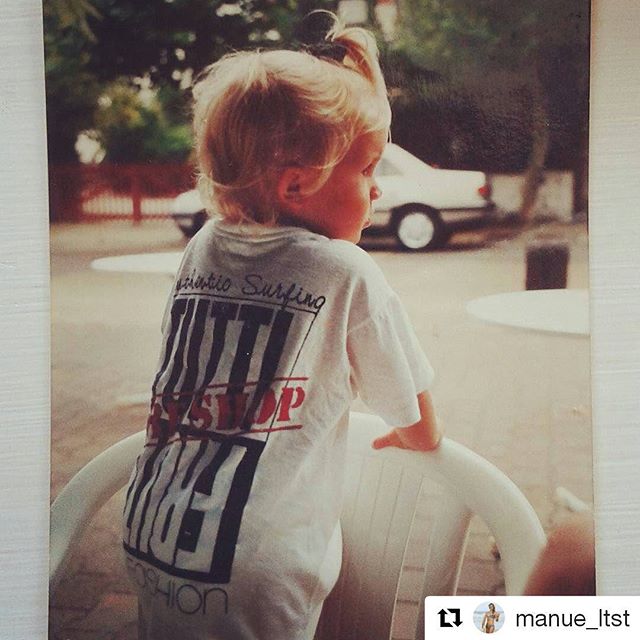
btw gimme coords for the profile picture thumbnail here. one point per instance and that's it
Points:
(489, 617)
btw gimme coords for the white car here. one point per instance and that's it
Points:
(420, 205)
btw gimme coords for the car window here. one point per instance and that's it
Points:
(386, 168)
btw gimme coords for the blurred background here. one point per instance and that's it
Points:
(496, 86)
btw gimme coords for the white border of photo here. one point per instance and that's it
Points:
(24, 326)
(614, 197)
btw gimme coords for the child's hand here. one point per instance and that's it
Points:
(409, 438)
(424, 435)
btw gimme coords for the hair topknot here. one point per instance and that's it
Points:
(258, 112)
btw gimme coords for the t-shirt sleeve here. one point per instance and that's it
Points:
(167, 313)
(388, 366)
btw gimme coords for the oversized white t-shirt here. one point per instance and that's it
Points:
(268, 336)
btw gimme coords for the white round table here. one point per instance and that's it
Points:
(556, 311)
(160, 263)
(140, 263)
(559, 311)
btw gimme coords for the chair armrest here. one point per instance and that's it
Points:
(85, 493)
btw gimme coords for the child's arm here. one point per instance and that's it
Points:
(424, 435)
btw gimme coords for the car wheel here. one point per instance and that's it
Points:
(419, 229)
(192, 225)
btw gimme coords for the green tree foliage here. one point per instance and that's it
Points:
(71, 87)
(91, 43)
(525, 64)
(72, 14)
(160, 37)
(133, 125)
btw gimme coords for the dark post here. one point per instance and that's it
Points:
(547, 263)
(136, 195)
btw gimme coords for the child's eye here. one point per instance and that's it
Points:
(370, 169)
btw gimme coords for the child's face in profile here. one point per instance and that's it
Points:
(342, 208)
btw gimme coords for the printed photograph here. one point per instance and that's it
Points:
(320, 313)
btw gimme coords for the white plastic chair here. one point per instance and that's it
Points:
(381, 493)
(82, 497)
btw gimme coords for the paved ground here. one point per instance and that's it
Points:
(520, 399)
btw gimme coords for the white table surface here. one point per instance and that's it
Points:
(167, 263)
(559, 311)
(161, 263)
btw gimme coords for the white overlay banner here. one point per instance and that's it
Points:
(515, 617)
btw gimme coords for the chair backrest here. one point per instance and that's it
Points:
(382, 491)
(381, 494)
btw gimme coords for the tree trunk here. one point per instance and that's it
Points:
(534, 175)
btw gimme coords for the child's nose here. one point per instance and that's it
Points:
(376, 192)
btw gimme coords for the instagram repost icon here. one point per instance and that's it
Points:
(488, 617)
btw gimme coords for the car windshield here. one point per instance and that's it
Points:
(386, 168)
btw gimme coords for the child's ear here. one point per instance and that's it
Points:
(293, 187)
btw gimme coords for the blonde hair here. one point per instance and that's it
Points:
(256, 113)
